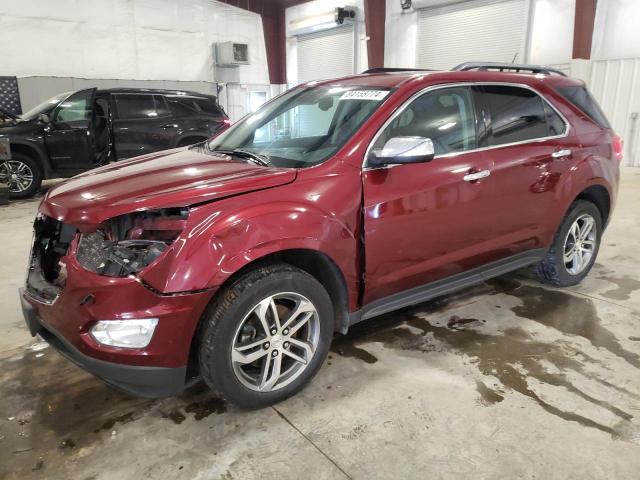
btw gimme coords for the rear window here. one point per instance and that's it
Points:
(519, 114)
(582, 99)
(134, 106)
(183, 106)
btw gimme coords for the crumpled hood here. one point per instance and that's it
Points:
(173, 178)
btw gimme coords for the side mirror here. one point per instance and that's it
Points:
(401, 150)
(44, 118)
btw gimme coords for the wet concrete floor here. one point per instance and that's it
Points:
(508, 379)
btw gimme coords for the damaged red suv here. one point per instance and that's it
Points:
(236, 260)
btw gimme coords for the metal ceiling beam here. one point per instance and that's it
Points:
(585, 16)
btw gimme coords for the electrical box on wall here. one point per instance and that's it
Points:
(231, 54)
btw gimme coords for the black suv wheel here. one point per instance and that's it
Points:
(22, 174)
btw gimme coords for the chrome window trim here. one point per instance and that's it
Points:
(430, 88)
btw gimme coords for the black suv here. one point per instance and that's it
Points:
(76, 131)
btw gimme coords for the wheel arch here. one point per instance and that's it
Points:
(317, 264)
(598, 195)
(34, 153)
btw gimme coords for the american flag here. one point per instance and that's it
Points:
(9, 95)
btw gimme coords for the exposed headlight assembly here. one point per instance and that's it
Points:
(126, 244)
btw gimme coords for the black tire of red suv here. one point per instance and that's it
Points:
(225, 315)
(33, 188)
(552, 269)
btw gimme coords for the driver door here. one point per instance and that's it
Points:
(427, 221)
(68, 137)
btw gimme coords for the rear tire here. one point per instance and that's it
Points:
(22, 174)
(574, 248)
(265, 336)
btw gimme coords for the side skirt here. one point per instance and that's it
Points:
(444, 286)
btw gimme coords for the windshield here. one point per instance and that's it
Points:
(44, 107)
(302, 127)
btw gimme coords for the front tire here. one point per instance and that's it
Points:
(265, 336)
(22, 174)
(574, 248)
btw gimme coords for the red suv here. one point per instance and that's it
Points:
(236, 260)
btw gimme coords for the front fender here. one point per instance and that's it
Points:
(222, 237)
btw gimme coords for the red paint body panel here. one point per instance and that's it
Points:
(422, 222)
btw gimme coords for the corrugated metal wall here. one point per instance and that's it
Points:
(616, 86)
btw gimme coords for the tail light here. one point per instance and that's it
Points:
(618, 144)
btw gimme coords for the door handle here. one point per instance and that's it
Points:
(169, 125)
(561, 153)
(472, 177)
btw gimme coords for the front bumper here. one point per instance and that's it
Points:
(143, 381)
(157, 370)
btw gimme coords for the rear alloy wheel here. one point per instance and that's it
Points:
(22, 175)
(579, 245)
(265, 336)
(574, 248)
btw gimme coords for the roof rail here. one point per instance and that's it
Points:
(484, 66)
(391, 69)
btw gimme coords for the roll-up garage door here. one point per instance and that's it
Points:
(326, 54)
(478, 30)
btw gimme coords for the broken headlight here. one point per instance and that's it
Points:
(126, 244)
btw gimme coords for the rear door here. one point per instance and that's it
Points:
(68, 137)
(530, 151)
(141, 124)
(427, 221)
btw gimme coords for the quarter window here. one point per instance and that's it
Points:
(445, 115)
(518, 114)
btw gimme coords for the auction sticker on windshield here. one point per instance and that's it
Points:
(376, 95)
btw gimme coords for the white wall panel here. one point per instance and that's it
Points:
(131, 39)
(616, 86)
(616, 33)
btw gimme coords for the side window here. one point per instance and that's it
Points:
(161, 106)
(555, 124)
(75, 110)
(518, 114)
(134, 106)
(445, 115)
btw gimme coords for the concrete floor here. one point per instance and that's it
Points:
(504, 380)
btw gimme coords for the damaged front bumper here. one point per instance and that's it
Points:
(143, 381)
(62, 301)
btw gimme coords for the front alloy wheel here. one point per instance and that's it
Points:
(22, 175)
(275, 342)
(265, 335)
(18, 175)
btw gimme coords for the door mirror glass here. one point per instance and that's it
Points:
(399, 150)
(43, 118)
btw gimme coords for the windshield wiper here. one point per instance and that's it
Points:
(249, 155)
